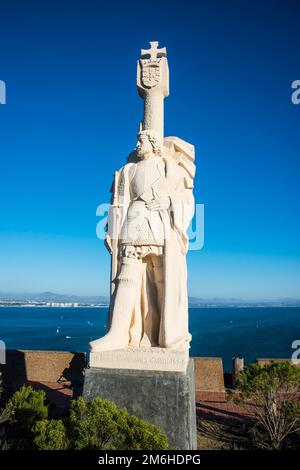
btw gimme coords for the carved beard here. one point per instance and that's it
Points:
(144, 150)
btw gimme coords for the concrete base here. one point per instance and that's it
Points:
(164, 398)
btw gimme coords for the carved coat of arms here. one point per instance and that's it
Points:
(150, 74)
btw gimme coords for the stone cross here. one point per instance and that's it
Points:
(153, 52)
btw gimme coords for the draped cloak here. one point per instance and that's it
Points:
(168, 327)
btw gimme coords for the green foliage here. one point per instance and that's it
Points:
(4, 443)
(247, 376)
(27, 406)
(99, 424)
(137, 434)
(93, 424)
(273, 392)
(6, 415)
(278, 376)
(50, 435)
(96, 424)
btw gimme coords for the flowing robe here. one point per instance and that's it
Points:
(170, 325)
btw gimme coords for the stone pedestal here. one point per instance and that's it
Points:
(164, 398)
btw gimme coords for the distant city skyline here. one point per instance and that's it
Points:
(72, 104)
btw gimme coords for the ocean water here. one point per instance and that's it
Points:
(224, 332)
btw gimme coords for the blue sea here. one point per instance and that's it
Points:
(225, 332)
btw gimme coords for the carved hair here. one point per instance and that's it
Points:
(154, 141)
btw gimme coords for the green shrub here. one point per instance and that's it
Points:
(100, 424)
(96, 424)
(93, 423)
(272, 393)
(50, 435)
(4, 443)
(28, 406)
(137, 434)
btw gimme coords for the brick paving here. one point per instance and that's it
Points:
(58, 394)
(219, 407)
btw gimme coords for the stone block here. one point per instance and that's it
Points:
(209, 374)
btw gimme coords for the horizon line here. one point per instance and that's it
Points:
(200, 298)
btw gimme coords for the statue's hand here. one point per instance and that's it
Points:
(159, 203)
(108, 243)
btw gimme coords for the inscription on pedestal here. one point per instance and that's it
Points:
(161, 359)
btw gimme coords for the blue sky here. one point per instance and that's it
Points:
(71, 118)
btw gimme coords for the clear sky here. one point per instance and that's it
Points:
(71, 118)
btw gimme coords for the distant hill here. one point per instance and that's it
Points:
(234, 302)
(52, 297)
(193, 301)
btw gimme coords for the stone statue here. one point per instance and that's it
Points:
(152, 205)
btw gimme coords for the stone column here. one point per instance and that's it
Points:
(153, 86)
(237, 368)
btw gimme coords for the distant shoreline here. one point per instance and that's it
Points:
(213, 306)
(47, 306)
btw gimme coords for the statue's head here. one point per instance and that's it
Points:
(148, 144)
